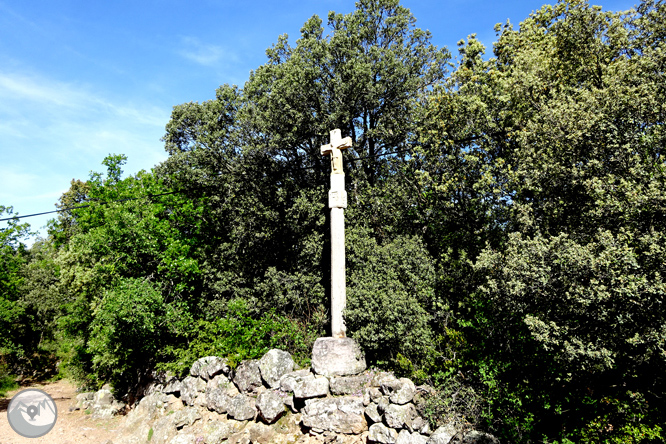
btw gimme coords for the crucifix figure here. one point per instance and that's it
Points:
(337, 202)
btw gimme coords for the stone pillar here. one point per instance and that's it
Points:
(337, 202)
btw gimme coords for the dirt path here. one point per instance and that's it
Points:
(71, 427)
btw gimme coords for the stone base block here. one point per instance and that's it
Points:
(337, 357)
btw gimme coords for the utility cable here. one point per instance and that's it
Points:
(149, 196)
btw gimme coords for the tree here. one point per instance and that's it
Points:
(254, 154)
(14, 321)
(562, 147)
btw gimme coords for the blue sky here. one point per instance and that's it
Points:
(82, 79)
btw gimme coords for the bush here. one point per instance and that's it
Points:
(130, 326)
(390, 289)
(238, 336)
(7, 381)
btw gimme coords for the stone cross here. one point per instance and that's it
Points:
(337, 202)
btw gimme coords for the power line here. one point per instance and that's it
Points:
(149, 196)
(103, 202)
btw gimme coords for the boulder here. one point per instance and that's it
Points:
(350, 385)
(270, 405)
(209, 367)
(476, 437)
(217, 400)
(273, 365)
(84, 400)
(404, 437)
(443, 435)
(372, 412)
(382, 434)
(184, 438)
(104, 405)
(149, 408)
(337, 357)
(289, 380)
(191, 388)
(173, 386)
(242, 408)
(163, 430)
(224, 384)
(339, 415)
(400, 416)
(247, 376)
(216, 432)
(185, 417)
(311, 386)
(400, 391)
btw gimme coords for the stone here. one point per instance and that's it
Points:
(201, 400)
(217, 400)
(339, 415)
(400, 391)
(372, 412)
(421, 425)
(184, 438)
(173, 403)
(224, 384)
(260, 433)
(85, 400)
(380, 378)
(400, 416)
(209, 367)
(273, 365)
(138, 435)
(104, 405)
(102, 398)
(350, 385)
(185, 417)
(375, 394)
(311, 387)
(289, 380)
(382, 434)
(443, 435)
(270, 406)
(383, 403)
(190, 389)
(242, 408)
(476, 437)
(288, 400)
(173, 386)
(404, 437)
(337, 202)
(337, 357)
(216, 432)
(163, 430)
(149, 408)
(247, 376)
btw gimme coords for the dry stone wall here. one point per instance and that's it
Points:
(268, 401)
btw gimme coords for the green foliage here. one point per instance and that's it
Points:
(511, 252)
(454, 402)
(130, 325)
(7, 381)
(17, 334)
(390, 288)
(238, 336)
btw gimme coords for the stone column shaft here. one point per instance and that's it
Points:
(337, 203)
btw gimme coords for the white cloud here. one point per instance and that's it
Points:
(52, 132)
(205, 54)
